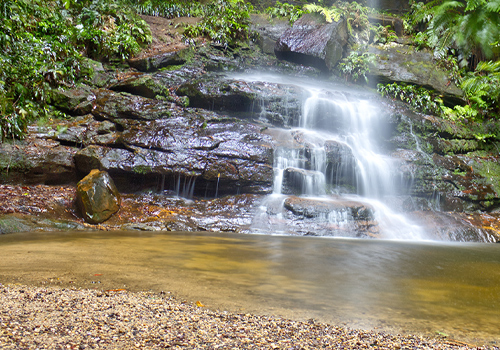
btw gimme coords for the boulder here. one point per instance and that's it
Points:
(75, 101)
(405, 64)
(313, 42)
(97, 197)
(142, 85)
(269, 31)
(165, 59)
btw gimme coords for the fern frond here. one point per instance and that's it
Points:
(327, 15)
(493, 6)
(330, 15)
(474, 4)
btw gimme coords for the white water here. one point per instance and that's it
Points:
(349, 124)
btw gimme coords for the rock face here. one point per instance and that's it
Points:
(312, 41)
(405, 64)
(97, 197)
(156, 62)
(269, 33)
(274, 103)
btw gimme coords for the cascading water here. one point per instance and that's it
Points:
(330, 171)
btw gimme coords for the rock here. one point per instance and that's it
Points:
(269, 31)
(213, 94)
(111, 105)
(198, 149)
(142, 85)
(97, 197)
(341, 164)
(404, 64)
(311, 208)
(34, 161)
(74, 101)
(153, 63)
(297, 181)
(277, 104)
(311, 41)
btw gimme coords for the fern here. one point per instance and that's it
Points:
(483, 86)
(332, 14)
(472, 26)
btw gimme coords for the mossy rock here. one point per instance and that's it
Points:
(97, 197)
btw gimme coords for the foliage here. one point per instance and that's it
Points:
(107, 29)
(285, 10)
(41, 46)
(383, 34)
(355, 13)
(224, 22)
(330, 14)
(356, 66)
(169, 9)
(482, 88)
(473, 26)
(418, 98)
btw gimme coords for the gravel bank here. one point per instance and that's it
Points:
(54, 318)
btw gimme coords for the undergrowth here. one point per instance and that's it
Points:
(41, 47)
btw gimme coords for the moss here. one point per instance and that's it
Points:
(142, 169)
(490, 171)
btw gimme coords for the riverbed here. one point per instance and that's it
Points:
(429, 288)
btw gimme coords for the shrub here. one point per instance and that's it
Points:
(41, 46)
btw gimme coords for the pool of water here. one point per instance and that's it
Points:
(409, 287)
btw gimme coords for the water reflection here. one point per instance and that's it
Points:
(403, 286)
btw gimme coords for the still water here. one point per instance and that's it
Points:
(411, 287)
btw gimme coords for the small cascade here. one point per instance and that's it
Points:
(182, 186)
(331, 176)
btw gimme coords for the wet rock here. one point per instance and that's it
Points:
(153, 63)
(297, 181)
(34, 160)
(311, 41)
(341, 163)
(268, 31)
(74, 101)
(310, 208)
(97, 197)
(195, 148)
(111, 105)
(278, 104)
(459, 227)
(85, 130)
(214, 94)
(141, 85)
(404, 64)
(16, 223)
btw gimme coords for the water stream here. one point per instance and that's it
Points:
(397, 286)
(332, 153)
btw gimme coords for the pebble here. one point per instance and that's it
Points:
(55, 318)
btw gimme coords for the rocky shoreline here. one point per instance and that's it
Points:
(55, 318)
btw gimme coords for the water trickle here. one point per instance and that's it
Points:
(217, 187)
(331, 171)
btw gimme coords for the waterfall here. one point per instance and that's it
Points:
(331, 171)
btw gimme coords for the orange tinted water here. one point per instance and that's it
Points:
(409, 287)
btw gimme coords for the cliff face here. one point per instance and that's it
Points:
(186, 128)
